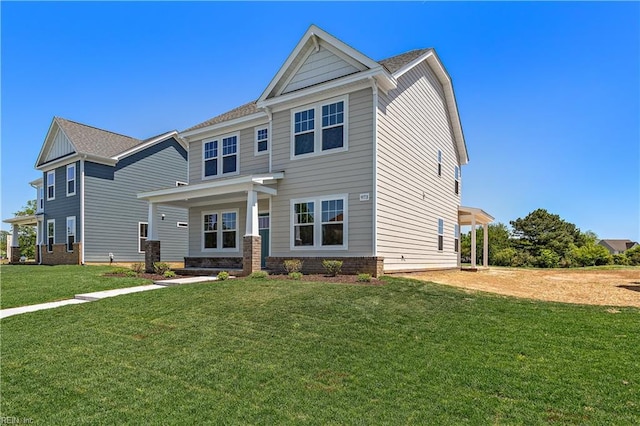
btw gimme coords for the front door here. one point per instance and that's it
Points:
(263, 227)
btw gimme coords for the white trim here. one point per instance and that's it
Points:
(440, 234)
(82, 210)
(53, 173)
(439, 163)
(182, 224)
(140, 250)
(230, 126)
(219, 231)
(374, 89)
(75, 179)
(75, 233)
(317, 130)
(268, 140)
(220, 156)
(181, 183)
(317, 223)
(52, 221)
(73, 158)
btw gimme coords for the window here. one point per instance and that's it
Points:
(457, 178)
(143, 233)
(71, 232)
(262, 141)
(51, 234)
(41, 198)
(220, 231)
(328, 232)
(439, 163)
(456, 238)
(71, 179)
(440, 234)
(51, 185)
(308, 140)
(220, 158)
(263, 221)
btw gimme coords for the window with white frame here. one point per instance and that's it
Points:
(41, 198)
(330, 231)
(332, 132)
(220, 231)
(457, 180)
(220, 156)
(71, 179)
(51, 234)
(51, 185)
(439, 163)
(143, 233)
(440, 234)
(262, 140)
(456, 238)
(71, 232)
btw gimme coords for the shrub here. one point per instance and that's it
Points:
(548, 259)
(333, 267)
(620, 259)
(504, 257)
(591, 255)
(258, 275)
(161, 267)
(138, 268)
(169, 274)
(223, 275)
(292, 265)
(295, 275)
(124, 271)
(364, 278)
(633, 256)
(523, 259)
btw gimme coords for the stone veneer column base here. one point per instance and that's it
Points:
(151, 255)
(15, 255)
(251, 252)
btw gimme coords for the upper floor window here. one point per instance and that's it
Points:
(457, 180)
(262, 141)
(71, 179)
(220, 156)
(40, 198)
(307, 140)
(439, 163)
(319, 222)
(440, 234)
(51, 185)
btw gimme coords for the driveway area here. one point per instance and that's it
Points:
(614, 287)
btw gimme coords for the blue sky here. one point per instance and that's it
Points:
(548, 93)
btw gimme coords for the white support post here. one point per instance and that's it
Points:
(485, 245)
(252, 213)
(14, 236)
(473, 242)
(152, 231)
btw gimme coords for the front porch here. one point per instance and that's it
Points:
(472, 216)
(14, 251)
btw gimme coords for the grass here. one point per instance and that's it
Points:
(22, 285)
(290, 352)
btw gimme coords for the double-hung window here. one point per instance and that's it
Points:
(211, 158)
(320, 128)
(51, 185)
(457, 180)
(143, 233)
(71, 179)
(262, 141)
(40, 198)
(319, 223)
(220, 156)
(51, 234)
(439, 163)
(71, 232)
(230, 154)
(440, 234)
(220, 231)
(456, 238)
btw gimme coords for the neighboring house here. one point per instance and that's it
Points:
(341, 157)
(617, 246)
(87, 208)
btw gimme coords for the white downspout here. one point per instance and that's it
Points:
(374, 88)
(82, 209)
(270, 137)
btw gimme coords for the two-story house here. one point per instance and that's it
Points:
(87, 208)
(341, 157)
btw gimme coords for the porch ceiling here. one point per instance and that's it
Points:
(466, 216)
(31, 220)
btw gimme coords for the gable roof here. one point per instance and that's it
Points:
(241, 111)
(618, 245)
(395, 63)
(95, 143)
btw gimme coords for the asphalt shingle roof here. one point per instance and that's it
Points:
(392, 65)
(94, 141)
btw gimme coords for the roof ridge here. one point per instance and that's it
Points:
(97, 128)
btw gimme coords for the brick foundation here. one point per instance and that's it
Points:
(151, 255)
(213, 262)
(15, 255)
(60, 255)
(251, 252)
(351, 265)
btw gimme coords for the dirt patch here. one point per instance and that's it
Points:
(608, 287)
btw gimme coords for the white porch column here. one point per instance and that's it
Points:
(473, 242)
(152, 231)
(14, 235)
(252, 214)
(485, 245)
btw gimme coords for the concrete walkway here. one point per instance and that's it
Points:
(90, 297)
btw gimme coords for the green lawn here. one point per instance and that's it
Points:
(291, 352)
(22, 285)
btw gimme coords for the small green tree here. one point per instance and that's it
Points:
(633, 256)
(3, 242)
(591, 255)
(27, 234)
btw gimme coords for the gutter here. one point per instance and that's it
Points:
(82, 191)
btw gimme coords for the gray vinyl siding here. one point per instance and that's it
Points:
(62, 206)
(249, 163)
(412, 125)
(319, 67)
(348, 172)
(113, 211)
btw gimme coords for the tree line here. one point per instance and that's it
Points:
(543, 240)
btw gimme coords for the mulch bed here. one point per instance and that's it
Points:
(340, 279)
(154, 277)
